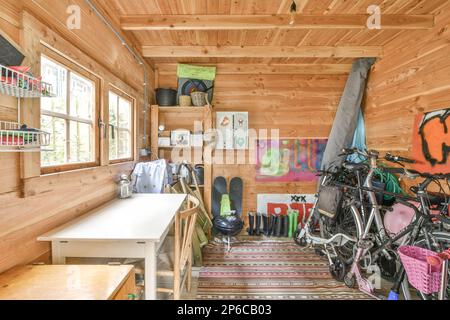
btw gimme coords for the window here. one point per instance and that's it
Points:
(70, 118)
(121, 118)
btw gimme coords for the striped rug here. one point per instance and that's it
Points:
(268, 270)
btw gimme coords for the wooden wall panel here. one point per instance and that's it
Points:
(299, 106)
(53, 200)
(411, 78)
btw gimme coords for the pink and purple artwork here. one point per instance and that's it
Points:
(289, 160)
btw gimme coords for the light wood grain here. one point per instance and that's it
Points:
(262, 52)
(261, 22)
(67, 283)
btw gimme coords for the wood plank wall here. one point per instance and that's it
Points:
(53, 200)
(299, 105)
(411, 78)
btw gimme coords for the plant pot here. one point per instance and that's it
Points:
(166, 97)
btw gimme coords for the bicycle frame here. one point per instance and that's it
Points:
(339, 239)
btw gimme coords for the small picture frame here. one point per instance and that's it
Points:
(181, 138)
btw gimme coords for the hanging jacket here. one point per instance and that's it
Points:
(150, 177)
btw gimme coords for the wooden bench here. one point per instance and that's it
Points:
(66, 282)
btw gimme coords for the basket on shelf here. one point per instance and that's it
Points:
(185, 101)
(199, 99)
(421, 275)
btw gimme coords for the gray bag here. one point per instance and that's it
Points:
(330, 200)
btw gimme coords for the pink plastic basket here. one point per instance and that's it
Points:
(421, 275)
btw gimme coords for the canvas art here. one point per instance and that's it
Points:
(431, 142)
(233, 130)
(289, 160)
(280, 204)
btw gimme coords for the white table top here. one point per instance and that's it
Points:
(144, 217)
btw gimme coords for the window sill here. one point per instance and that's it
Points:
(53, 182)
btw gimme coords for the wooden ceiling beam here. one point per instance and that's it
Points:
(257, 22)
(261, 51)
(274, 69)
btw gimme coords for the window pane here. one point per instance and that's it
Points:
(113, 109)
(56, 153)
(124, 144)
(56, 75)
(81, 97)
(113, 144)
(81, 147)
(124, 114)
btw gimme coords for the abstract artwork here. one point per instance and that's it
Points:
(289, 160)
(431, 142)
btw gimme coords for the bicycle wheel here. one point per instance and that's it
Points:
(344, 223)
(442, 241)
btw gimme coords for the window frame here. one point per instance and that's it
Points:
(80, 71)
(120, 94)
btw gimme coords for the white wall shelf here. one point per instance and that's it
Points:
(13, 136)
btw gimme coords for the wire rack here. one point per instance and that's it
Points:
(14, 138)
(21, 85)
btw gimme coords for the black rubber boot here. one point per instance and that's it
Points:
(285, 226)
(278, 226)
(258, 224)
(273, 225)
(251, 224)
(266, 226)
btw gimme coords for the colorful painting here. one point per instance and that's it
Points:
(280, 204)
(289, 160)
(431, 142)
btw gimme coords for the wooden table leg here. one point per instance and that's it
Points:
(150, 271)
(57, 256)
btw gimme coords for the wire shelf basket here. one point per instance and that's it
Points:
(14, 138)
(20, 85)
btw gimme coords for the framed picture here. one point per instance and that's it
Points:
(180, 138)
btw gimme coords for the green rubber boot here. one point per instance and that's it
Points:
(295, 227)
(291, 224)
(225, 206)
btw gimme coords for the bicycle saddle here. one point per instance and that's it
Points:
(355, 166)
(435, 198)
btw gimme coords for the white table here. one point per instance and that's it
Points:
(132, 228)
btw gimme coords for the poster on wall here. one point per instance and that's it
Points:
(289, 160)
(431, 142)
(280, 204)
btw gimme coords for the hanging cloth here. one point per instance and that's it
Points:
(150, 177)
(359, 140)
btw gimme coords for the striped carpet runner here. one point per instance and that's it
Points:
(268, 270)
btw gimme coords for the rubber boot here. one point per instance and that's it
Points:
(291, 224)
(266, 221)
(251, 223)
(258, 224)
(273, 223)
(285, 226)
(295, 227)
(278, 227)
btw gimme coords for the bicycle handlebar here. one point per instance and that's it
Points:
(397, 159)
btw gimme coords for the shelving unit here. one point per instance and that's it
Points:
(13, 136)
(174, 118)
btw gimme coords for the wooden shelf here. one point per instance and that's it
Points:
(178, 109)
(184, 117)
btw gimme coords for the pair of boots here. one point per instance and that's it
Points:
(254, 220)
(293, 222)
(276, 226)
(279, 226)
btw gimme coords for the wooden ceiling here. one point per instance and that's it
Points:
(231, 44)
